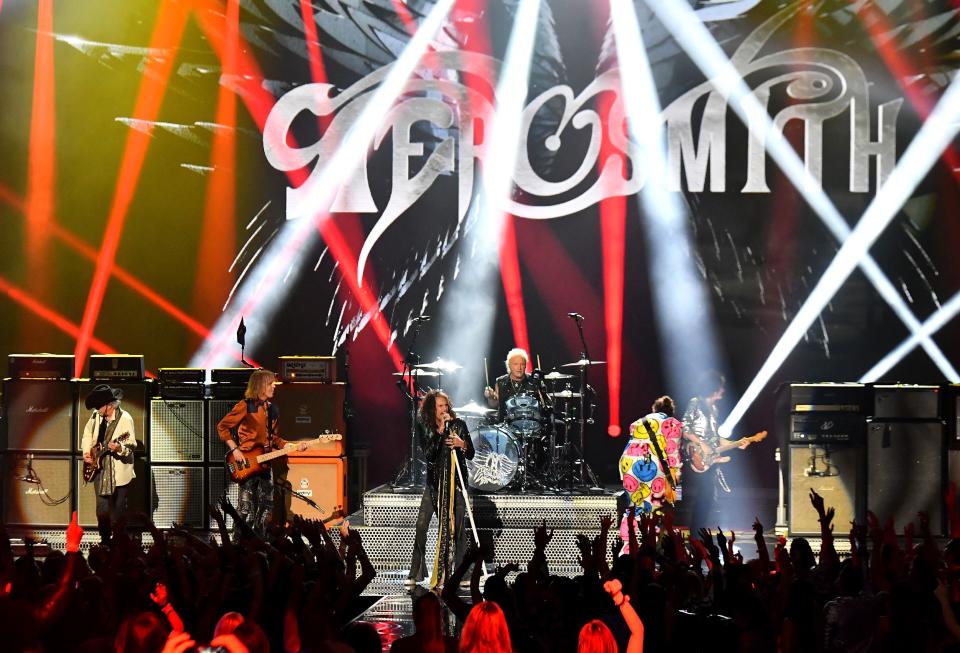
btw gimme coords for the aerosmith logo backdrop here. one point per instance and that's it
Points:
(680, 174)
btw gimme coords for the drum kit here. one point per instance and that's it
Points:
(535, 447)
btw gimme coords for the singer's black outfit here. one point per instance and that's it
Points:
(441, 496)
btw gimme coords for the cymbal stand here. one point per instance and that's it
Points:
(413, 472)
(584, 468)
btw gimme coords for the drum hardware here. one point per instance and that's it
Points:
(474, 409)
(583, 476)
(557, 376)
(442, 366)
(564, 394)
(417, 373)
(583, 362)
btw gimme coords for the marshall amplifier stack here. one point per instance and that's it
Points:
(864, 447)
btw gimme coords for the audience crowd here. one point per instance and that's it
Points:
(298, 591)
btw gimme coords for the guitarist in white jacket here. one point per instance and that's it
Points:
(112, 428)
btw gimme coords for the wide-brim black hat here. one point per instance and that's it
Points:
(102, 395)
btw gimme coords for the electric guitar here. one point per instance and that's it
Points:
(254, 459)
(97, 452)
(702, 456)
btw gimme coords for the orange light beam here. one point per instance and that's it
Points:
(41, 157)
(167, 33)
(23, 298)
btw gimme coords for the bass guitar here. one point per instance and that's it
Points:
(702, 456)
(97, 452)
(254, 459)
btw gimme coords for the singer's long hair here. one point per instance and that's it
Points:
(428, 409)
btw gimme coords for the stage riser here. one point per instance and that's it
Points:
(498, 510)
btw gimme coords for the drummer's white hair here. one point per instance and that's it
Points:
(513, 353)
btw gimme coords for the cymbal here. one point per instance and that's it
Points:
(441, 365)
(564, 394)
(583, 362)
(554, 376)
(417, 373)
(473, 408)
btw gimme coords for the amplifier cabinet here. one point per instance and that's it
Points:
(815, 428)
(217, 409)
(321, 479)
(906, 464)
(176, 430)
(47, 502)
(40, 415)
(310, 409)
(836, 472)
(906, 402)
(221, 485)
(180, 496)
(828, 398)
(134, 401)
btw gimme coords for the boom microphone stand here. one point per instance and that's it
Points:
(412, 474)
(585, 470)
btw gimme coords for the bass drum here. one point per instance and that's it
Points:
(496, 459)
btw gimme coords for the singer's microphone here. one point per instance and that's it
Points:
(575, 316)
(421, 318)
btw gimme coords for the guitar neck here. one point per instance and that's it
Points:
(264, 457)
(727, 445)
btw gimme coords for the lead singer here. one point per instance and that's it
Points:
(445, 441)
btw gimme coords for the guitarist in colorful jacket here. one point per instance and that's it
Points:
(650, 463)
(112, 429)
(251, 422)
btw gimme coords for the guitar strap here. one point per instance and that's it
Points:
(668, 472)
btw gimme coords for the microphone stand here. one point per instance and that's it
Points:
(585, 470)
(411, 475)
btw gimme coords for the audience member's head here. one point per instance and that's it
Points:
(145, 632)
(595, 637)
(427, 616)
(228, 623)
(485, 630)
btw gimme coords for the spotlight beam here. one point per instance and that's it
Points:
(706, 53)
(927, 146)
(933, 324)
(288, 248)
(676, 284)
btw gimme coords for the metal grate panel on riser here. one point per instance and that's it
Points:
(498, 510)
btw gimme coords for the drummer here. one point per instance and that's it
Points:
(515, 382)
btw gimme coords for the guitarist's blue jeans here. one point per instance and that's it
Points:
(255, 503)
(110, 508)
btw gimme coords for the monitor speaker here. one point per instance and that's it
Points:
(836, 472)
(176, 430)
(905, 465)
(322, 480)
(137, 497)
(47, 501)
(40, 415)
(134, 402)
(309, 409)
(180, 496)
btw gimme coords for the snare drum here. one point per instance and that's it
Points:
(523, 412)
(495, 461)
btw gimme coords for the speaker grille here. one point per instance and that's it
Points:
(216, 411)
(136, 499)
(221, 484)
(180, 496)
(176, 431)
(905, 464)
(32, 504)
(134, 402)
(836, 473)
(39, 415)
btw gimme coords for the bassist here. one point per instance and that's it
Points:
(111, 428)
(251, 423)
